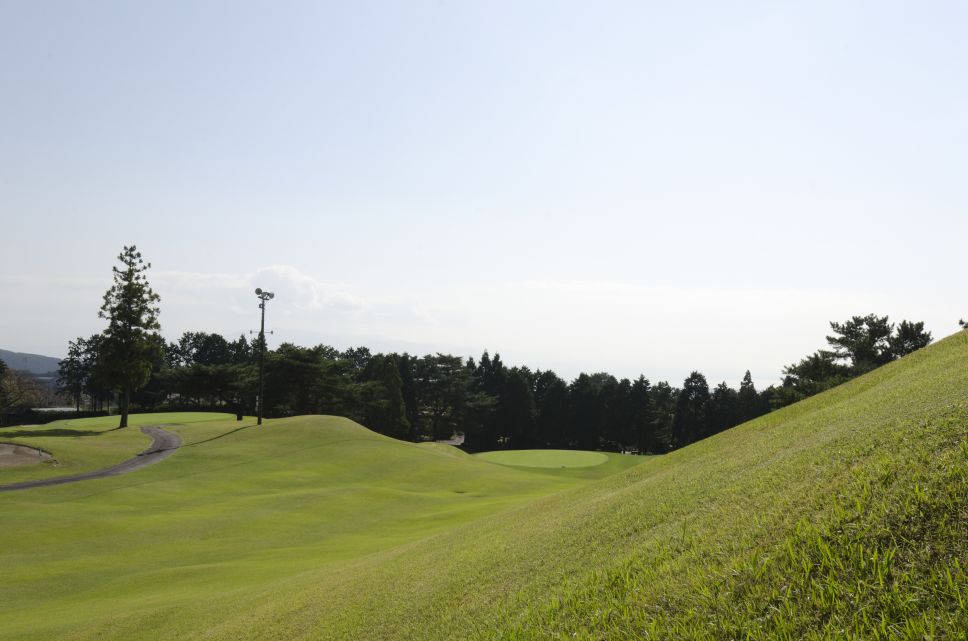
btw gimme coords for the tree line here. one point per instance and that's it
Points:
(493, 405)
(437, 395)
(426, 397)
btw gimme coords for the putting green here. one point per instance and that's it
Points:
(545, 458)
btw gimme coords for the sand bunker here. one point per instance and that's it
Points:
(16, 455)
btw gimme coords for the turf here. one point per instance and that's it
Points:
(842, 517)
(574, 464)
(88, 444)
(545, 458)
(236, 509)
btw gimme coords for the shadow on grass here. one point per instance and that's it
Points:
(215, 438)
(55, 432)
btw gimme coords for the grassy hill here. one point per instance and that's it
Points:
(844, 516)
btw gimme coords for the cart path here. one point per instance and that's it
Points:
(162, 446)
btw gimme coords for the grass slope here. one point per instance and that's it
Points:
(236, 510)
(701, 543)
(842, 517)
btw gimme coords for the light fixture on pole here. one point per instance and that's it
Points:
(263, 297)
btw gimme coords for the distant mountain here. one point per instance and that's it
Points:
(33, 363)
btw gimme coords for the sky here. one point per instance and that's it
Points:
(631, 187)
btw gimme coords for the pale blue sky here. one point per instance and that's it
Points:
(631, 187)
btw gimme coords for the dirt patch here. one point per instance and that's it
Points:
(19, 455)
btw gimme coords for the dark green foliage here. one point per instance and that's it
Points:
(381, 397)
(300, 380)
(690, 421)
(357, 357)
(554, 410)
(516, 411)
(585, 429)
(643, 436)
(722, 411)
(815, 373)
(442, 390)
(71, 376)
(747, 400)
(862, 341)
(859, 345)
(663, 408)
(488, 380)
(206, 370)
(616, 400)
(406, 365)
(907, 338)
(130, 348)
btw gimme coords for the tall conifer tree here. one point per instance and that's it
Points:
(130, 346)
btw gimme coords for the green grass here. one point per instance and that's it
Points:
(88, 444)
(545, 458)
(841, 517)
(235, 510)
(574, 464)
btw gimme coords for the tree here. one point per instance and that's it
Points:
(71, 376)
(864, 341)
(663, 399)
(747, 400)
(585, 427)
(19, 391)
(859, 345)
(488, 381)
(381, 393)
(357, 357)
(616, 399)
(722, 410)
(815, 373)
(516, 411)
(304, 380)
(689, 423)
(643, 435)
(907, 338)
(554, 410)
(442, 391)
(130, 345)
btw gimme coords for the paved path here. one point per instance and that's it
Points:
(163, 446)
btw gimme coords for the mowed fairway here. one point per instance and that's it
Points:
(841, 517)
(237, 509)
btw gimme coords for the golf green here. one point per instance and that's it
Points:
(545, 458)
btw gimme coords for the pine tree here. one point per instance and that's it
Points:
(907, 338)
(748, 401)
(644, 437)
(130, 346)
(689, 423)
(70, 372)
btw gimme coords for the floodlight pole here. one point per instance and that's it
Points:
(263, 297)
